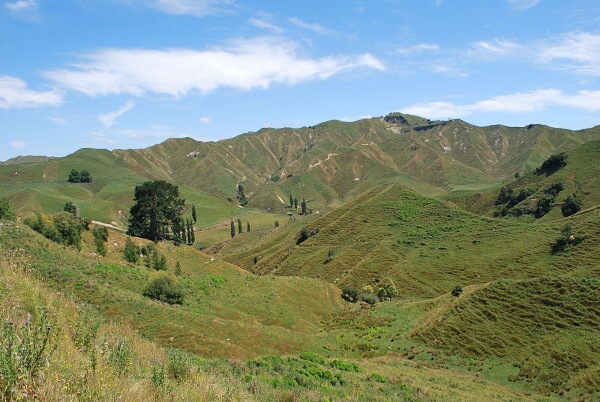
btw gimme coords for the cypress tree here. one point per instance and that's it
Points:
(303, 206)
(247, 226)
(291, 201)
(232, 228)
(239, 225)
(194, 216)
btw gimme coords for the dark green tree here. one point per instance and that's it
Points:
(100, 237)
(295, 203)
(232, 224)
(6, 211)
(157, 204)
(177, 268)
(291, 201)
(239, 222)
(71, 208)
(194, 216)
(131, 252)
(74, 176)
(241, 196)
(247, 226)
(303, 207)
(571, 205)
(85, 176)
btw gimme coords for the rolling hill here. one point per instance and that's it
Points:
(487, 307)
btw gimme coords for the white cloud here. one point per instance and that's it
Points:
(521, 5)
(58, 120)
(577, 51)
(266, 25)
(316, 28)
(418, 49)
(109, 119)
(99, 138)
(495, 48)
(513, 103)
(196, 8)
(244, 64)
(21, 5)
(153, 132)
(205, 120)
(14, 94)
(18, 144)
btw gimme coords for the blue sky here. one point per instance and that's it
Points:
(131, 73)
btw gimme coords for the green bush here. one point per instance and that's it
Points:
(457, 291)
(571, 205)
(350, 293)
(163, 287)
(345, 366)
(312, 357)
(131, 252)
(6, 211)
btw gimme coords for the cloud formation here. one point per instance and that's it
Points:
(109, 119)
(526, 102)
(265, 25)
(14, 94)
(18, 144)
(577, 51)
(244, 64)
(21, 5)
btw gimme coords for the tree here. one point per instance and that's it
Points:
(241, 196)
(295, 203)
(177, 268)
(6, 211)
(239, 222)
(571, 205)
(131, 252)
(457, 291)
(350, 293)
(291, 201)
(85, 176)
(69, 227)
(72, 209)
(303, 206)
(194, 216)
(247, 226)
(100, 237)
(157, 204)
(74, 176)
(232, 228)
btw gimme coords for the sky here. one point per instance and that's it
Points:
(121, 74)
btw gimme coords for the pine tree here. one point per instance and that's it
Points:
(232, 228)
(291, 201)
(239, 225)
(303, 206)
(247, 226)
(295, 203)
(194, 216)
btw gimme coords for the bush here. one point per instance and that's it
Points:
(100, 234)
(312, 357)
(303, 235)
(566, 240)
(163, 287)
(369, 298)
(6, 211)
(544, 205)
(457, 291)
(131, 252)
(571, 205)
(350, 293)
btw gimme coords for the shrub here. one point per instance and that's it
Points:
(100, 237)
(163, 287)
(345, 366)
(303, 235)
(369, 298)
(566, 240)
(6, 211)
(312, 357)
(554, 189)
(350, 293)
(571, 205)
(131, 252)
(179, 364)
(120, 355)
(457, 291)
